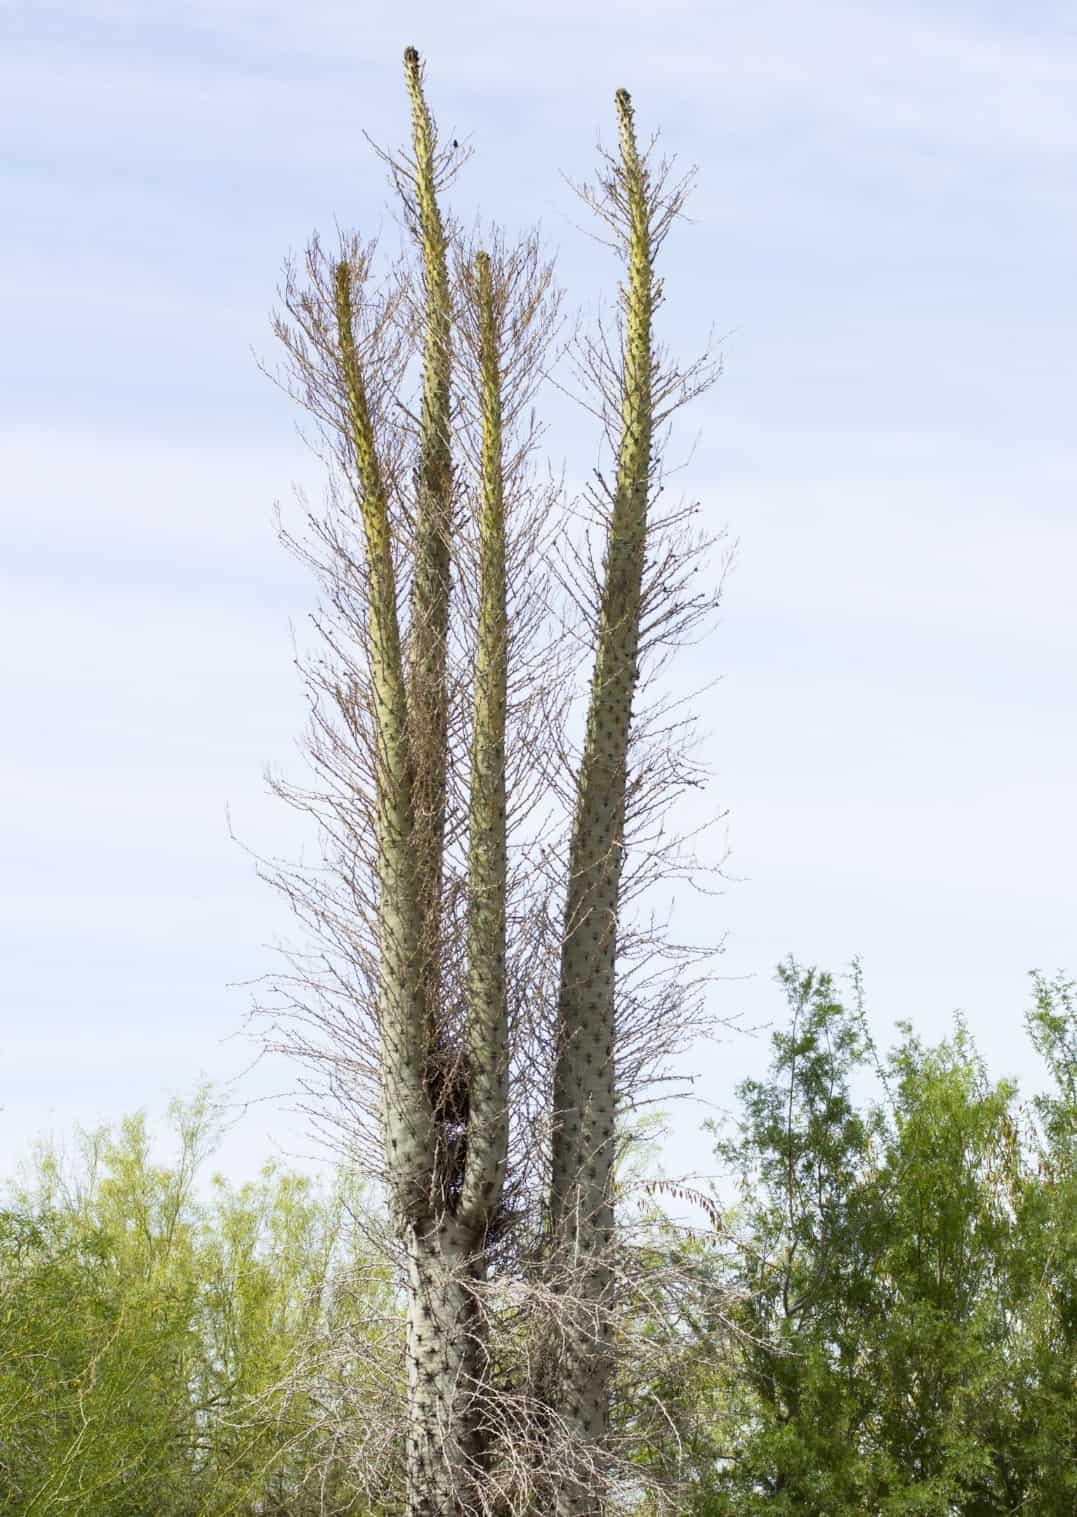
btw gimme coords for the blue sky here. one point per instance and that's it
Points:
(884, 236)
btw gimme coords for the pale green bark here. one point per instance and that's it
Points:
(444, 1230)
(446, 1172)
(441, 1346)
(427, 693)
(406, 1115)
(442, 1350)
(488, 1030)
(584, 1093)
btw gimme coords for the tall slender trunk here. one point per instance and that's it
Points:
(407, 1117)
(431, 583)
(581, 1200)
(444, 1436)
(488, 1021)
(446, 1145)
(440, 1027)
(444, 1349)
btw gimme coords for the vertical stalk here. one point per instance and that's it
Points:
(439, 1342)
(406, 1114)
(427, 689)
(584, 1094)
(488, 1031)
(442, 1353)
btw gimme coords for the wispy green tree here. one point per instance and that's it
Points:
(482, 1008)
(152, 1328)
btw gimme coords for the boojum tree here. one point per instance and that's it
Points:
(481, 1008)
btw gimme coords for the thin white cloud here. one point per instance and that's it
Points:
(887, 219)
(969, 83)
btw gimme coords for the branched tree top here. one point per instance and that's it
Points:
(480, 1007)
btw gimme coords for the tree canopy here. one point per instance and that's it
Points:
(884, 1321)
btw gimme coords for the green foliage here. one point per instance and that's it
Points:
(1040, 1286)
(147, 1335)
(902, 1276)
(885, 1324)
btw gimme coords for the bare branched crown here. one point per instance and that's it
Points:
(481, 1008)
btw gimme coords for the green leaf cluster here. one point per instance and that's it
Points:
(899, 1279)
(150, 1328)
(884, 1322)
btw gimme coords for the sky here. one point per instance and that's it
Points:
(882, 239)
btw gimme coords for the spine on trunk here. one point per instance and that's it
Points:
(488, 1031)
(427, 686)
(445, 1349)
(406, 1114)
(584, 1094)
